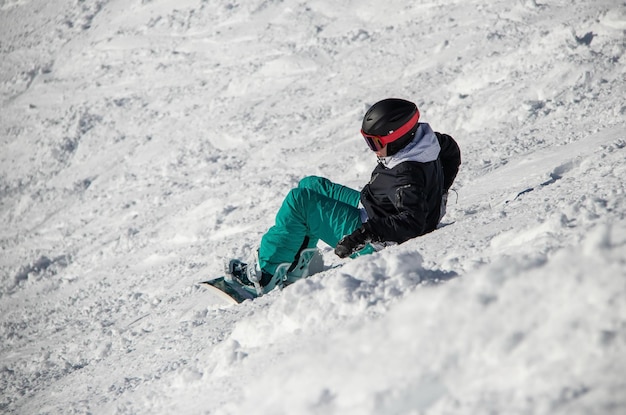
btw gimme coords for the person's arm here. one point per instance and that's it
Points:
(410, 221)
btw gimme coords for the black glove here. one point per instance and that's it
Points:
(352, 243)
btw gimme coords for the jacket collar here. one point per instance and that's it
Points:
(423, 148)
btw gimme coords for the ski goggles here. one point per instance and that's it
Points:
(378, 142)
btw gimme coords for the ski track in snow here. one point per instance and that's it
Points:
(143, 141)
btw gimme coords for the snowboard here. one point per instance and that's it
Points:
(228, 290)
(232, 291)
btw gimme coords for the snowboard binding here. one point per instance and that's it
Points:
(249, 277)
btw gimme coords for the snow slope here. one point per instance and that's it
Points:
(144, 141)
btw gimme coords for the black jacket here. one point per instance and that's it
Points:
(404, 201)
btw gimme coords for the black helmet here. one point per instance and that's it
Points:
(392, 122)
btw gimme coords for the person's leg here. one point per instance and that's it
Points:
(335, 191)
(332, 190)
(306, 213)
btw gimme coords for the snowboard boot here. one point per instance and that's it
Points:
(249, 275)
(238, 271)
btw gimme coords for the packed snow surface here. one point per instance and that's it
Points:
(142, 142)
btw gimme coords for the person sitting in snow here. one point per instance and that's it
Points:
(405, 198)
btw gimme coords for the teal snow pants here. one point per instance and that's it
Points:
(316, 209)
